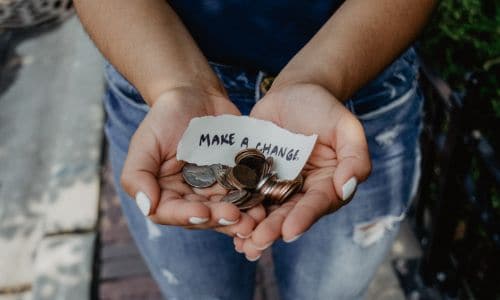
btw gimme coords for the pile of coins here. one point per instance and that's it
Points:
(250, 182)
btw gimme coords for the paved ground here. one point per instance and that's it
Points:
(50, 149)
(50, 146)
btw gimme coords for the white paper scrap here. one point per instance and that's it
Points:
(210, 140)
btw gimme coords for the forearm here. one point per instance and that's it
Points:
(356, 43)
(147, 42)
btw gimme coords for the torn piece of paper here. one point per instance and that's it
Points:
(210, 140)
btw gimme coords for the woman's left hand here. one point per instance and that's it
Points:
(338, 161)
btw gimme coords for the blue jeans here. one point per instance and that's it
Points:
(338, 256)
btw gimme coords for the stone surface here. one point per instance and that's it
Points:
(385, 284)
(50, 144)
(406, 244)
(17, 296)
(63, 267)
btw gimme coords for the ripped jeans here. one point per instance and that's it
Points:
(338, 256)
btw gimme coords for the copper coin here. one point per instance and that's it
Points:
(245, 176)
(255, 163)
(267, 167)
(247, 152)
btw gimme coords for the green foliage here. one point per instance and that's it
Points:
(464, 36)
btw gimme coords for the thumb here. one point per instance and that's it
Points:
(264, 110)
(354, 163)
(142, 164)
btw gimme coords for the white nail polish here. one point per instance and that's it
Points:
(293, 239)
(252, 259)
(143, 203)
(197, 220)
(237, 250)
(264, 247)
(225, 222)
(241, 236)
(348, 188)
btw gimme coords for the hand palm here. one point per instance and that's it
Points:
(152, 168)
(340, 153)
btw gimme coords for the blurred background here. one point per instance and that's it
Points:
(62, 235)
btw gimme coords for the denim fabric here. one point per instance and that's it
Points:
(338, 256)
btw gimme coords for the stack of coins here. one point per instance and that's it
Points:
(250, 182)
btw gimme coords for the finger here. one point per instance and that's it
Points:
(251, 254)
(215, 189)
(242, 229)
(175, 183)
(353, 157)
(174, 210)
(223, 214)
(238, 244)
(269, 230)
(194, 197)
(138, 177)
(314, 204)
(258, 213)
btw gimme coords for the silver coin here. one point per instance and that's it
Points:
(269, 177)
(198, 176)
(236, 196)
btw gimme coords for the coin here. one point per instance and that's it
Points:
(245, 177)
(220, 172)
(251, 181)
(235, 196)
(198, 176)
(267, 167)
(254, 200)
(248, 152)
(254, 162)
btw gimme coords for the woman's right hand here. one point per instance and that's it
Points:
(152, 174)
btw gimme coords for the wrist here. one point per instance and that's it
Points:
(291, 76)
(177, 89)
(190, 96)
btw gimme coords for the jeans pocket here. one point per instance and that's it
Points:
(391, 101)
(122, 89)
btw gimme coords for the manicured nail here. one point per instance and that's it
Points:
(252, 259)
(263, 247)
(143, 203)
(348, 188)
(225, 222)
(293, 239)
(241, 236)
(236, 249)
(197, 220)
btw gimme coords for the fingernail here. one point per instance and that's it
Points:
(236, 249)
(293, 239)
(225, 222)
(143, 203)
(197, 220)
(348, 188)
(241, 236)
(252, 259)
(263, 247)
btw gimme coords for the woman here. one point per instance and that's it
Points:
(340, 70)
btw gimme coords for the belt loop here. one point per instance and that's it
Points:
(350, 105)
(258, 81)
(265, 83)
